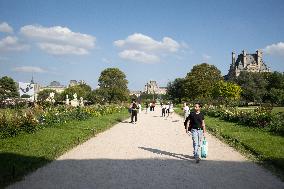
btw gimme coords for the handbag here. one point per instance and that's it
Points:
(204, 148)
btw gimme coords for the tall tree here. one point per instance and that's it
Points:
(113, 85)
(8, 88)
(200, 80)
(226, 91)
(175, 89)
(253, 86)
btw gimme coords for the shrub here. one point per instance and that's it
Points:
(13, 122)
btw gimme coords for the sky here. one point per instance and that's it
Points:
(148, 39)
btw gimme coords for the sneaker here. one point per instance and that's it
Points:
(197, 160)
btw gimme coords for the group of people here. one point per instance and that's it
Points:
(167, 109)
(193, 122)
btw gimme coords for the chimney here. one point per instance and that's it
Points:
(244, 58)
(233, 58)
(259, 57)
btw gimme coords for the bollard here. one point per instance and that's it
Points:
(94, 132)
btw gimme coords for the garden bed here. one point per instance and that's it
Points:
(26, 152)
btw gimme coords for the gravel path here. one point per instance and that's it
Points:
(154, 153)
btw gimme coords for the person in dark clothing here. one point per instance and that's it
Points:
(195, 124)
(134, 109)
(163, 110)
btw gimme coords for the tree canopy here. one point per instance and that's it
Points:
(176, 89)
(113, 85)
(8, 88)
(82, 90)
(200, 80)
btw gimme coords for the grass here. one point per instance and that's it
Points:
(277, 109)
(25, 153)
(257, 144)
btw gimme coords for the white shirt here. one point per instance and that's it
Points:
(186, 109)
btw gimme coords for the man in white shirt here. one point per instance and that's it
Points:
(186, 110)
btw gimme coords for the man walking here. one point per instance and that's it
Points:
(186, 111)
(197, 127)
(134, 108)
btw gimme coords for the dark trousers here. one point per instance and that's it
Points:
(163, 112)
(134, 115)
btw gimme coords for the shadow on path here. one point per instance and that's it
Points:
(146, 173)
(179, 156)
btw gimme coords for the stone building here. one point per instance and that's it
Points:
(55, 85)
(152, 88)
(75, 82)
(247, 62)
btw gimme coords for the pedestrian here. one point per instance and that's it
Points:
(139, 108)
(168, 109)
(163, 110)
(186, 111)
(151, 106)
(196, 125)
(134, 109)
(171, 109)
(147, 106)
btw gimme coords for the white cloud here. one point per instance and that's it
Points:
(55, 49)
(206, 57)
(59, 40)
(29, 69)
(10, 43)
(139, 56)
(144, 43)
(4, 27)
(142, 48)
(105, 60)
(275, 49)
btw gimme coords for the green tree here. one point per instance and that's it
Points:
(82, 90)
(96, 97)
(226, 91)
(176, 89)
(113, 85)
(276, 96)
(253, 86)
(8, 88)
(44, 94)
(275, 80)
(200, 80)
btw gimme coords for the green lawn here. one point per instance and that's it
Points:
(278, 109)
(26, 152)
(262, 146)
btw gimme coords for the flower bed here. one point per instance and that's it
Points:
(261, 117)
(13, 122)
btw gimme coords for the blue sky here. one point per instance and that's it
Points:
(148, 40)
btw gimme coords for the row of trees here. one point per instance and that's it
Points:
(205, 83)
(112, 88)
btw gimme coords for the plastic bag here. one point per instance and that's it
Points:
(204, 148)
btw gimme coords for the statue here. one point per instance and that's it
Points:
(81, 102)
(75, 96)
(75, 101)
(67, 100)
(51, 97)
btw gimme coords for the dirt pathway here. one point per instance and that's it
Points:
(154, 153)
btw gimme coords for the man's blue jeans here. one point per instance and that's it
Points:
(197, 139)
